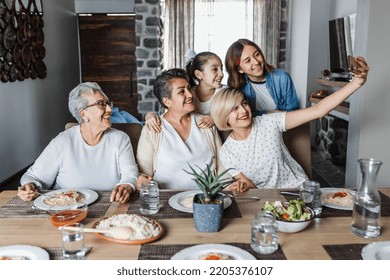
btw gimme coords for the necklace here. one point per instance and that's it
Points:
(240, 137)
(234, 136)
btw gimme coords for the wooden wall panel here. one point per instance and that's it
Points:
(107, 46)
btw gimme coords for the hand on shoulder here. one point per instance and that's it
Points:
(153, 122)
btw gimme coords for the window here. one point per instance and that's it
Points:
(221, 22)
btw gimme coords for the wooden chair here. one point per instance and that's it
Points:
(131, 129)
(297, 141)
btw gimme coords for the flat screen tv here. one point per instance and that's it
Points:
(341, 42)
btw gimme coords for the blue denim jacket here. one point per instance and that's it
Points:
(281, 89)
(122, 117)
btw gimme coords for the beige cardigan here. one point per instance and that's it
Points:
(149, 145)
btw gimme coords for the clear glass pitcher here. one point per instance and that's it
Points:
(367, 204)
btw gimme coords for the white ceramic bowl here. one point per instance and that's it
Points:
(292, 227)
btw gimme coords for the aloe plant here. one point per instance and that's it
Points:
(209, 182)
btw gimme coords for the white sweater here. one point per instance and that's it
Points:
(69, 163)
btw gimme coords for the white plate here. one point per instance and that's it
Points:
(334, 190)
(176, 200)
(197, 251)
(376, 251)
(89, 195)
(26, 251)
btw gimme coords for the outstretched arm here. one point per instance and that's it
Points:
(296, 118)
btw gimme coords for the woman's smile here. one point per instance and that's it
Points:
(243, 117)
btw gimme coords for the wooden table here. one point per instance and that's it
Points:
(304, 245)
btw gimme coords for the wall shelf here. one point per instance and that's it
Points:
(329, 83)
(341, 111)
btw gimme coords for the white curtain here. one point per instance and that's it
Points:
(178, 31)
(266, 28)
(178, 16)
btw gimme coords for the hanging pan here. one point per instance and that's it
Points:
(17, 53)
(3, 8)
(9, 37)
(41, 69)
(26, 54)
(10, 4)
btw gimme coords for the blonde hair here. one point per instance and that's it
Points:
(222, 104)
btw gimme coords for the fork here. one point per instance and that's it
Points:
(244, 197)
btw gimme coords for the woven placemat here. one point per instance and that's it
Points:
(331, 212)
(345, 251)
(55, 253)
(99, 208)
(165, 252)
(167, 212)
(17, 208)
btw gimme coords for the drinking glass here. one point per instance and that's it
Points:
(150, 198)
(264, 238)
(310, 193)
(73, 242)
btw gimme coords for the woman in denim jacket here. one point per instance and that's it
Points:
(267, 88)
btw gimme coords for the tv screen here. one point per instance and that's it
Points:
(341, 40)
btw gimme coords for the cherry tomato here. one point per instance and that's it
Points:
(285, 216)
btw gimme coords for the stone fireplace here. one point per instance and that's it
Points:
(330, 150)
(331, 139)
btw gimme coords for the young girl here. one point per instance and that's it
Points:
(205, 72)
(267, 89)
(255, 148)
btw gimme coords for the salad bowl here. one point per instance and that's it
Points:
(292, 216)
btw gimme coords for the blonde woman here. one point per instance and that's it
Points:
(255, 148)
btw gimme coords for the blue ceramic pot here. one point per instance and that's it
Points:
(208, 217)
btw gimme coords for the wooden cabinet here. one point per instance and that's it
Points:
(107, 47)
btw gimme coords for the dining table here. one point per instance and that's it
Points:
(328, 237)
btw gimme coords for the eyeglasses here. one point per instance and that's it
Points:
(101, 104)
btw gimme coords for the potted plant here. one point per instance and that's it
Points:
(208, 205)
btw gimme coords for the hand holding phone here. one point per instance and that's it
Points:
(353, 66)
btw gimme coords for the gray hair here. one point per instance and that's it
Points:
(162, 87)
(77, 100)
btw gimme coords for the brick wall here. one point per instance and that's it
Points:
(148, 52)
(283, 34)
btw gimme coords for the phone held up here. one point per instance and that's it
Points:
(353, 65)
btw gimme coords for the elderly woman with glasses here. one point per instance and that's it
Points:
(162, 156)
(91, 155)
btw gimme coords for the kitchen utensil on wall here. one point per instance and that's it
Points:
(22, 40)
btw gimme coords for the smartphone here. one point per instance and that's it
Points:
(352, 65)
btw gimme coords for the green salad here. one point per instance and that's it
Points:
(294, 210)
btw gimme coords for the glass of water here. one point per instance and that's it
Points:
(310, 193)
(150, 198)
(264, 238)
(73, 242)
